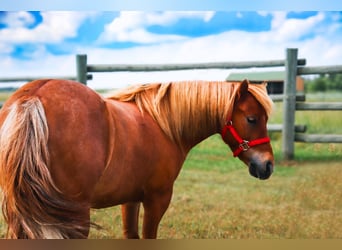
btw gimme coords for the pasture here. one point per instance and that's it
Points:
(215, 197)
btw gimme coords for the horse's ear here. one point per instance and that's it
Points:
(243, 89)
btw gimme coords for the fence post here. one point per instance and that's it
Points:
(81, 64)
(289, 103)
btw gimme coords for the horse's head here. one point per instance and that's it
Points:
(246, 134)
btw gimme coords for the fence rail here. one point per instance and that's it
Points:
(187, 66)
(319, 106)
(279, 98)
(319, 70)
(32, 78)
(280, 128)
(317, 138)
(83, 67)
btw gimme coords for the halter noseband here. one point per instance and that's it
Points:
(244, 145)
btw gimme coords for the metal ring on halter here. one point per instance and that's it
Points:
(229, 123)
(244, 145)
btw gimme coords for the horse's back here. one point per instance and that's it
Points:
(78, 132)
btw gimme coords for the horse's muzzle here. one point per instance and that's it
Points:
(261, 170)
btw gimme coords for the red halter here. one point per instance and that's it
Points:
(244, 145)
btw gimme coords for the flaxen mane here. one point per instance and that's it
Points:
(181, 107)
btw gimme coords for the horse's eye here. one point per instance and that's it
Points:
(251, 120)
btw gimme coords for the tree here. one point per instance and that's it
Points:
(325, 82)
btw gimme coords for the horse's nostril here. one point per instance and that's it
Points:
(253, 169)
(269, 167)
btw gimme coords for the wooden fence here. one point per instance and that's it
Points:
(290, 135)
(32, 78)
(292, 101)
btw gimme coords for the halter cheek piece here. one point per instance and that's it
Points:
(244, 145)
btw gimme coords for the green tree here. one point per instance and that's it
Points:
(325, 82)
(319, 84)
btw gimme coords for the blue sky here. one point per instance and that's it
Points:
(152, 5)
(44, 43)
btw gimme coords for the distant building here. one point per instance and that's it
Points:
(274, 79)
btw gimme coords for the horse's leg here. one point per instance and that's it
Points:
(130, 218)
(154, 208)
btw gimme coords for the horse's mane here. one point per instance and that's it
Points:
(181, 107)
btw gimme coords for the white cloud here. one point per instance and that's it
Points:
(292, 29)
(130, 26)
(55, 27)
(5, 48)
(43, 64)
(279, 18)
(18, 19)
(170, 17)
(228, 46)
(321, 51)
(139, 35)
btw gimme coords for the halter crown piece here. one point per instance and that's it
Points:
(244, 145)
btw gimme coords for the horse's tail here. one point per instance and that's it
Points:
(33, 207)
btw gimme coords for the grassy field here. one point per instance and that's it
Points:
(215, 197)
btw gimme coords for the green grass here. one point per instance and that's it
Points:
(302, 201)
(4, 95)
(212, 150)
(215, 197)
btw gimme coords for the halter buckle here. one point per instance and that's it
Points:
(229, 123)
(244, 145)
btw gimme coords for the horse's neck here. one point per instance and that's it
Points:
(199, 111)
(200, 128)
(188, 144)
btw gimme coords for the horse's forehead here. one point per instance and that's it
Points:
(250, 104)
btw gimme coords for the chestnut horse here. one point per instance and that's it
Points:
(64, 149)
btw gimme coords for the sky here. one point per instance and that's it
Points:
(44, 43)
